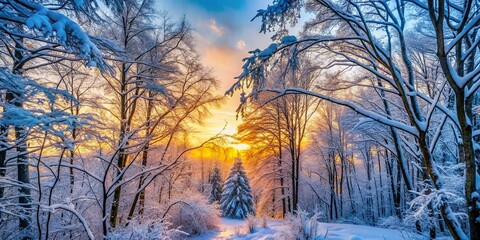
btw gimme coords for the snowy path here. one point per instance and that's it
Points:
(236, 229)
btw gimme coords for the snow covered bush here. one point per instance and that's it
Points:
(303, 227)
(428, 202)
(391, 222)
(191, 213)
(152, 229)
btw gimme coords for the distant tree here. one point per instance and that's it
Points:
(237, 200)
(216, 183)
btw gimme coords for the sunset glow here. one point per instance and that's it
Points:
(241, 146)
(223, 43)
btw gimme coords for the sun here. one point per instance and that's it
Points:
(231, 130)
(241, 146)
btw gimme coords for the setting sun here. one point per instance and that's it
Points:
(241, 146)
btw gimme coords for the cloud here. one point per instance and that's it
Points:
(241, 45)
(215, 28)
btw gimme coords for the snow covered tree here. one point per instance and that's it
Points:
(237, 200)
(216, 184)
(35, 34)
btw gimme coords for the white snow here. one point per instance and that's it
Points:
(277, 229)
(237, 229)
(474, 195)
(267, 52)
(288, 39)
(335, 231)
(68, 32)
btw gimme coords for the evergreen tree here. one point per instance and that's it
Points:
(237, 200)
(216, 184)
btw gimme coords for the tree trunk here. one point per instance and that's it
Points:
(402, 162)
(122, 145)
(25, 198)
(23, 174)
(380, 193)
(72, 155)
(3, 158)
(450, 220)
(282, 189)
(396, 203)
(470, 165)
(140, 195)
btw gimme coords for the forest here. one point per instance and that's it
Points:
(210, 119)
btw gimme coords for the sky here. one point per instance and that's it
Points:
(224, 34)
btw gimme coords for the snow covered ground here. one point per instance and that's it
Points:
(237, 229)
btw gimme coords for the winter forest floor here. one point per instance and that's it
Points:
(277, 229)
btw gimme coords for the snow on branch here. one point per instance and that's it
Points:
(71, 208)
(67, 32)
(26, 90)
(280, 13)
(369, 114)
(54, 27)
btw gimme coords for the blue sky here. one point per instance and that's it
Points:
(223, 22)
(216, 5)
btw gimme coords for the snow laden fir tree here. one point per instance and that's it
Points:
(216, 186)
(237, 200)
